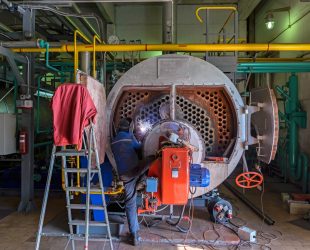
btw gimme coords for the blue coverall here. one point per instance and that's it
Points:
(124, 147)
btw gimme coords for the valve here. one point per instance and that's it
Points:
(249, 180)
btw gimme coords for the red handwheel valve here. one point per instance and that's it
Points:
(249, 180)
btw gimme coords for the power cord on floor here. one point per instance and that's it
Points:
(264, 239)
(267, 237)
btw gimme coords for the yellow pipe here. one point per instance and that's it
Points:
(76, 50)
(76, 65)
(173, 47)
(94, 54)
(213, 8)
(110, 192)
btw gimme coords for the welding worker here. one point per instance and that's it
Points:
(131, 171)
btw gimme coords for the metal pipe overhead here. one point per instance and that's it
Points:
(29, 44)
(79, 27)
(169, 22)
(90, 26)
(85, 62)
(175, 47)
(5, 28)
(91, 1)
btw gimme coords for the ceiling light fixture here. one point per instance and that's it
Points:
(269, 18)
(269, 21)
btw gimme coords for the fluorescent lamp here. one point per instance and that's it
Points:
(44, 94)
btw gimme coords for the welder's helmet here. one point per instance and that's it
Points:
(124, 124)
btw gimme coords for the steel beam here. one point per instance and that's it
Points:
(12, 58)
(5, 28)
(27, 124)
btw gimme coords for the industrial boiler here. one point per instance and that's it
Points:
(169, 94)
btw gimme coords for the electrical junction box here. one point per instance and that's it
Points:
(174, 181)
(151, 185)
(247, 234)
(7, 134)
(24, 104)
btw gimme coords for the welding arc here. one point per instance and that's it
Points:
(176, 224)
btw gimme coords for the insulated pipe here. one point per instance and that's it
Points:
(76, 50)
(169, 19)
(174, 47)
(85, 62)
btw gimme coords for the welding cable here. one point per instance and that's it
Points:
(122, 207)
(189, 218)
(185, 230)
(161, 209)
(171, 223)
(193, 192)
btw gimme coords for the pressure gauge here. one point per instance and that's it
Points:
(113, 39)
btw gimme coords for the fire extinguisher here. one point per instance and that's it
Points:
(23, 139)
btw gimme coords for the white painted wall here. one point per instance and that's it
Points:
(298, 33)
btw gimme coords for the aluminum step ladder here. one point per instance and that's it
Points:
(90, 147)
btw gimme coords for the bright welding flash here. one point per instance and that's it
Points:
(144, 126)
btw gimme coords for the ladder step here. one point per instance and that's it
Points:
(80, 170)
(71, 152)
(99, 238)
(83, 206)
(91, 223)
(83, 189)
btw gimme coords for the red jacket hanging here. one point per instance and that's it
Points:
(73, 109)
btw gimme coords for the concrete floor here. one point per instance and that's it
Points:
(18, 230)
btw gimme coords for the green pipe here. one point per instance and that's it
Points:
(292, 107)
(282, 92)
(282, 157)
(273, 67)
(46, 45)
(254, 67)
(276, 64)
(303, 164)
(38, 130)
(283, 117)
